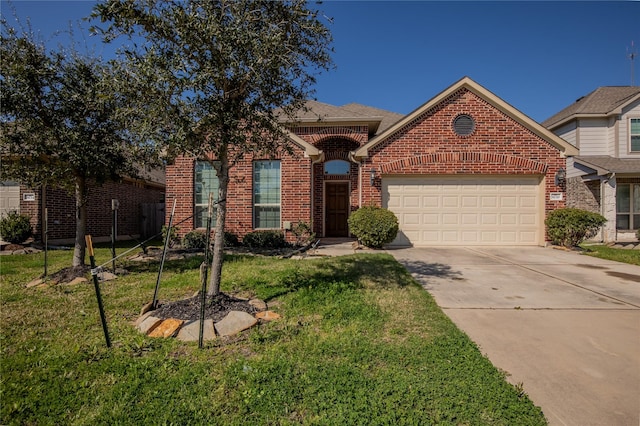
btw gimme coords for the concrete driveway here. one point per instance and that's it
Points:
(566, 326)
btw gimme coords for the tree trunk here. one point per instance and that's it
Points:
(221, 215)
(81, 221)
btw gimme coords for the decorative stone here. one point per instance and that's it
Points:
(35, 282)
(77, 280)
(260, 305)
(146, 308)
(267, 316)
(234, 323)
(107, 276)
(149, 324)
(190, 332)
(166, 328)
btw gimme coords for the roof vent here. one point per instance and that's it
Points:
(464, 125)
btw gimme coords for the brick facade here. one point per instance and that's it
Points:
(583, 195)
(499, 145)
(61, 210)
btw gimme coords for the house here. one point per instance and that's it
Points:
(605, 178)
(465, 168)
(140, 208)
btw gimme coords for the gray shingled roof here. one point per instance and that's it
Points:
(319, 111)
(604, 164)
(601, 101)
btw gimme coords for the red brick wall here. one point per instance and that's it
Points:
(295, 181)
(61, 209)
(499, 145)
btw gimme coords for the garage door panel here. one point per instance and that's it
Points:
(465, 210)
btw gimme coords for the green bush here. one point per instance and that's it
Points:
(194, 240)
(265, 239)
(373, 226)
(303, 232)
(231, 239)
(15, 228)
(569, 227)
(173, 235)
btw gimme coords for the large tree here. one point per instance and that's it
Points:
(59, 122)
(211, 74)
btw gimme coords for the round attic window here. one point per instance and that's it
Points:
(464, 125)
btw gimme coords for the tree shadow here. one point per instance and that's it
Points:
(422, 269)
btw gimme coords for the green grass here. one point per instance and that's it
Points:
(630, 256)
(359, 343)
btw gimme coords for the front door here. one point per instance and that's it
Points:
(337, 209)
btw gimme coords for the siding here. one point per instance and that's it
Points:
(594, 136)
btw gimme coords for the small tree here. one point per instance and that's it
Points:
(569, 227)
(211, 75)
(60, 123)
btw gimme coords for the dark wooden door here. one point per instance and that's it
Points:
(337, 209)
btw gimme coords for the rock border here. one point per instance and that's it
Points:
(232, 324)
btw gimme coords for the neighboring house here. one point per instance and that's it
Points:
(605, 178)
(465, 168)
(140, 208)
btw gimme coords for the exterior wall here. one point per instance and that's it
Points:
(609, 232)
(594, 134)
(583, 195)
(335, 143)
(499, 146)
(295, 204)
(61, 210)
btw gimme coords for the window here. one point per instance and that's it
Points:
(337, 167)
(628, 206)
(206, 181)
(266, 194)
(634, 134)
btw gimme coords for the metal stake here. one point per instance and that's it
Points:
(164, 255)
(94, 274)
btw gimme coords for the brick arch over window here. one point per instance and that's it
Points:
(447, 159)
(343, 133)
(337, 146)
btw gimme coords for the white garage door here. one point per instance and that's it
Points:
(465, 210)
(9, 198)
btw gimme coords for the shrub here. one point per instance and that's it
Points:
(194, 240)
(15, 228)
(231, 239)
(265, 239)
(373, 226)
(569, 227)
(173, 235)
(303, 232)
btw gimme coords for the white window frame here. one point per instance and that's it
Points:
(631, 135)
(204, 201)
(268, 205)
(629, 211)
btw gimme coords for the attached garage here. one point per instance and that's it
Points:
(466, 210)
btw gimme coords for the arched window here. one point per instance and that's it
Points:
(337, 167)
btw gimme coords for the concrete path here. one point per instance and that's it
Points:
(564, 325)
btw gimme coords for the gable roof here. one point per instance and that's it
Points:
(601, 102)
(353, 113)
(470, 85)
(605, 164)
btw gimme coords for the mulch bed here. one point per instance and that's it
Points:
(216, 308)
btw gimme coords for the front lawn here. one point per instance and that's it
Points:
(630, 256)
(359, 342)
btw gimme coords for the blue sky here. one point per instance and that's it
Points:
(395, 55)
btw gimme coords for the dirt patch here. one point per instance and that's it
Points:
(216, 307)
(69, 274)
